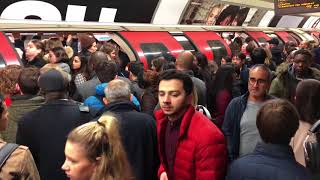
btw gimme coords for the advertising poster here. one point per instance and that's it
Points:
(206, 12)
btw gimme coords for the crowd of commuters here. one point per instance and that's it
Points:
(79, 109)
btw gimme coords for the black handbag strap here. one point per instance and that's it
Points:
(6, 151)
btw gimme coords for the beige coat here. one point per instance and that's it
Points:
(297, 142)
(20, 165)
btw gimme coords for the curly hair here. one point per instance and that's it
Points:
(9, 78)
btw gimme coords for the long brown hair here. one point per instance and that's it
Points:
(308, 100)
(101, 139)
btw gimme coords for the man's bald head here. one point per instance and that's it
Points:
(185, 61)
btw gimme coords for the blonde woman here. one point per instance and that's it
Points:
(94, 151)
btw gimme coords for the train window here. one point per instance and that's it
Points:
(154, 50)
(262, 40)
(296, 37)
(218, 49)
(271, 35)
(185, 43)
(2, 62)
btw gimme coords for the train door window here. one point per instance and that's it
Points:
(154, 50)
(185, 43)
(2, 62)
(218, 49)
(272, 35)
(296, 37)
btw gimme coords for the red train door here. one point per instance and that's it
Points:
(259, 36)
(149, 45)
(7, 53)
(285, 36)
(210, 44)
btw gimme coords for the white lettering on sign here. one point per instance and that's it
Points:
(75, 13)
(21, 9)
(46, 11)
(107, 14)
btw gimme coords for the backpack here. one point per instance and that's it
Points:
(205, 112)
(312, 148)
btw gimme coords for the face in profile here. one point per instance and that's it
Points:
(93, 48)
(77, 166)
(172, 97)
(76, 63)
(52, 57)
(31, 51)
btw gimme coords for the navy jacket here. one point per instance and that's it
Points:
(268, 162)
(231, 124)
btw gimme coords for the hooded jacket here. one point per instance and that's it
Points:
(285, 83)
(96, 101)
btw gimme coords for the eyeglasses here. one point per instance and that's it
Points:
(258, 81)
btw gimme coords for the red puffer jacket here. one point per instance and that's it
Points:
(201, 150)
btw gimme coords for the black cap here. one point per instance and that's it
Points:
(273, 41)
(52, 81)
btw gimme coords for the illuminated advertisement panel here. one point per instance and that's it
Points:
(285, 7)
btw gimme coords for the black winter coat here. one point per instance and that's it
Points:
(45, 132)
(138, 134)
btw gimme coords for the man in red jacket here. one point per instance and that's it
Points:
(190, 145)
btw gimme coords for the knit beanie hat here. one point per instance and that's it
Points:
(52, 80)
(86, 41)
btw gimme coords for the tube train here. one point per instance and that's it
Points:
(143, 42)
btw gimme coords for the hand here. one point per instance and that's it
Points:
(163, 176)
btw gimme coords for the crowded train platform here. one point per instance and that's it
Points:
(219, 90)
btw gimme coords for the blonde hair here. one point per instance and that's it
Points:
(101, 139)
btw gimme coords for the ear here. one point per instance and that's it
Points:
(98, 159)
(105, 101)
(18, 88)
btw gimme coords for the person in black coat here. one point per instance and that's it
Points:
(137, 130)
(45, 129)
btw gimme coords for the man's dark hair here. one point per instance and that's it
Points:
(265, 68)
(28, 80)
(248, 39)
(96, 58)
(258, 56)
(241, 56)
(135, 67)
(106, 71)
(227, 58)
(305, 53)
(277, 121)
(175, 74)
